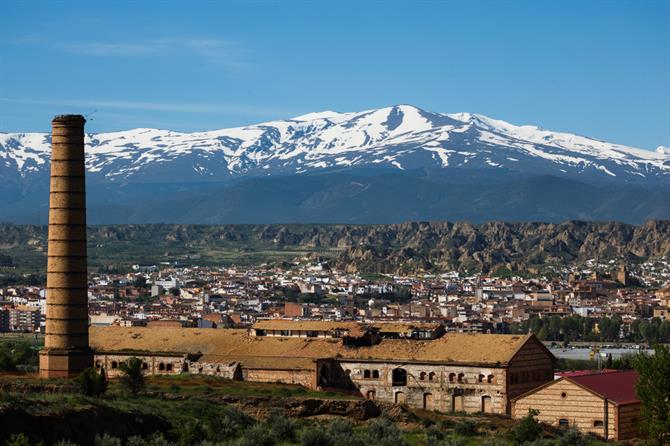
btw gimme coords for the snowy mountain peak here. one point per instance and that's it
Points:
(399, 137)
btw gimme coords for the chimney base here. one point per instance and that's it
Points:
(55, 363)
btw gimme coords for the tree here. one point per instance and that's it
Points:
(653, 390)
(91, 382)
(527, 430)
(132, 379)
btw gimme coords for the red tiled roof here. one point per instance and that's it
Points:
(617, 387)
(574, 373)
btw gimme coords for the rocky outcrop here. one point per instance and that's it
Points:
(406, 247)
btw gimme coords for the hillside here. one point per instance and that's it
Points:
(406, 247)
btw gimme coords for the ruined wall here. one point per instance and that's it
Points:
(305, 378)
(432, 386)
(151, 364)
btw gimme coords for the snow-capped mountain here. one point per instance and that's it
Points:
(386, 165)
(399, 137)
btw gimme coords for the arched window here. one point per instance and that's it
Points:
(375, 374)
(366, 374)
(115, 364)
(161, 366)
(145, 366)
(489, 379)
(452, 377)
(460, 377)
(431, 376)
(371, 394)
(184, 367)
(480, 378)
(422, 376)
(168, 368)
(399, 377)
(347, 372)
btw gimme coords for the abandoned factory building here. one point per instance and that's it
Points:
(414, 364)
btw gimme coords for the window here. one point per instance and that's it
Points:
(366, 374)
(598, 423)
(422, 376)
(461, 377)
(161, 366)
(489, 379)
(563, 423)
(375, 374)
(564, 395)
(98, 364)
(452, 377)
(168, 367)
(260, 332)
(347, 372)
(431, 376)
(480, 378)
(399, 377)
(312, 334)
(284, 332)
(115, 364)
(144, 365)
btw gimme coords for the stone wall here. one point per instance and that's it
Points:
(431, 386)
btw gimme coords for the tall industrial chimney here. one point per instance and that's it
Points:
(66, 352)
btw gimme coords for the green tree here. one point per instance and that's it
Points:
(91, 382)
(132, 379)
(527, 430)
(653, 390)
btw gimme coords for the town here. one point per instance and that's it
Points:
(634, 305)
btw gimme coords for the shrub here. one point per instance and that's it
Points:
(341, 433)
(281, 427)
(434, 436)
(106, 440)
(256, 435)
(528, 429)
(572, 437)
(132, 378)
(384, 432)
(18, 440)
(92, 383)
(315, 436)
(467, 428)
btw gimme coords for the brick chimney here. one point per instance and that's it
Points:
(66, 352)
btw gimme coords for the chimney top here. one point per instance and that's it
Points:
(69, 119)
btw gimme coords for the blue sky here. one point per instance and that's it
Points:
(597, 68)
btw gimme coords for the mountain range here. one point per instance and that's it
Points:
(385, 165)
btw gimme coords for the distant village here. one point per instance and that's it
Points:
(169, 295)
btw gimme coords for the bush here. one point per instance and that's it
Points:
(18, 440)
(156, 439)
(341, 433)
(281, 427)
(106, 440)
(92, 383)
(434, 436)
(528, 429)
(384, 432)
(315, 436)
(467, 428)
(132, 379)
(572, 437)
(256, 435)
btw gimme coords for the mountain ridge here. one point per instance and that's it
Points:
(418, 148)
